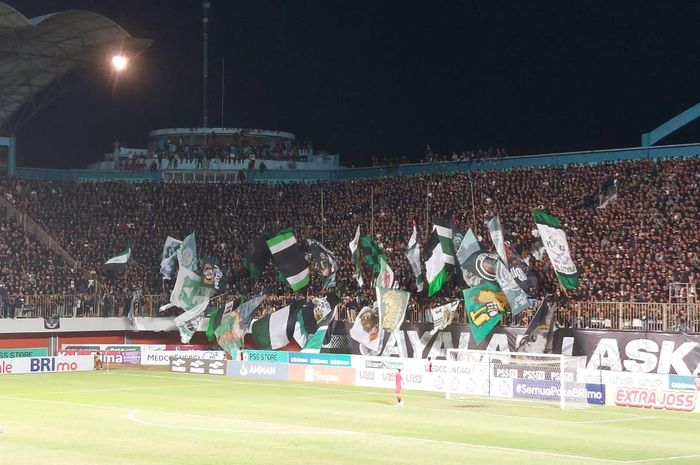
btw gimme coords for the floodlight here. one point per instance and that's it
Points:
(119, 62)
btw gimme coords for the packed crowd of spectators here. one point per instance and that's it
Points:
(431, 156)
(212, 155)
(631, 250)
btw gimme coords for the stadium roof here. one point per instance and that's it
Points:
(37, 53)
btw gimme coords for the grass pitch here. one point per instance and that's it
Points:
(159, 418)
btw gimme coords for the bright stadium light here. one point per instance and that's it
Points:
(119, 63)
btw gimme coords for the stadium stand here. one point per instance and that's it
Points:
(628, 251)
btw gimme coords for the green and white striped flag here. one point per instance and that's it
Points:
(277, 329)
(289, 258)
(445, 235)
(554, 240)
(377, 260)
(118, 262)
(413, 256)
(435, 269)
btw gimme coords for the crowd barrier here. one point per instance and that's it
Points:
(636, 316)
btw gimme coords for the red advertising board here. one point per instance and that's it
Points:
(649, 398)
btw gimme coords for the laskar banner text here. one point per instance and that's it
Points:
(630, 351)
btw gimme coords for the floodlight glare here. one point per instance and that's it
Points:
(119, 62)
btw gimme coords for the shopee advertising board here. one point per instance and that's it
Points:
(322, 374)
(21, 365)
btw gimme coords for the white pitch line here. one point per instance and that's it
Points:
(304, 430)
(380, 435)
(137, 388)
(663, 459)
(614, 420)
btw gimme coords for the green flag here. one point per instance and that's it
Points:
(289, 259)
(214, 322)
(554, 240)
(485, 306)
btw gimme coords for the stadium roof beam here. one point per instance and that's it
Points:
(681, 119)
(38, 56)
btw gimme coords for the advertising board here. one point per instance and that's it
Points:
(162, 357)
(199, 366)
(329, 360)
(27, 352)
(117, 357)
(46, 364)
(551, 391)
(655, 399)
(623, 378)
(322, 374)
(245, 369)
(266, 356)
(684, 383)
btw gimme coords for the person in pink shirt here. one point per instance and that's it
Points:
(399, 385)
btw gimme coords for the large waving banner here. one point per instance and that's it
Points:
(618, 351)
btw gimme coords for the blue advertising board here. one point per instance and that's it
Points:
(243, 369)
(550, 390)
(328, 360)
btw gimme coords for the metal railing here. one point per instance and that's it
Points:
(635, 316)
(93, 306)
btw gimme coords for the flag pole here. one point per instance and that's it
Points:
(372, 225)
(471, 188)
(427, 206)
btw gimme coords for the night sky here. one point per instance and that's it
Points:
(378, 78)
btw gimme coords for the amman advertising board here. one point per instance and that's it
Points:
(243, 369)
